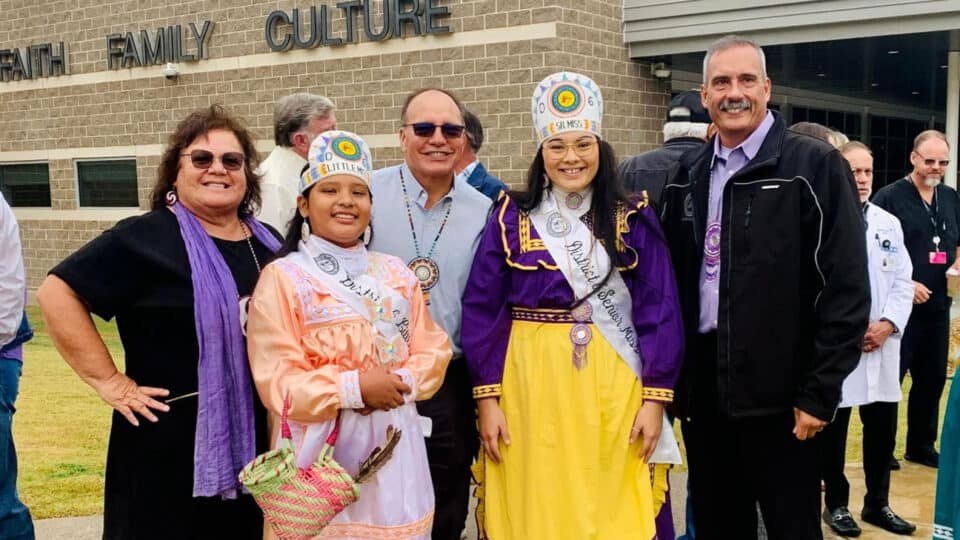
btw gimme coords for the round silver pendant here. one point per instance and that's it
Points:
(327, 263)
(426, 271)
(580, 334)
(557, 225)
(573, 200)
(582, 313)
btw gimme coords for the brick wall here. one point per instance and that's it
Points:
(496, 80)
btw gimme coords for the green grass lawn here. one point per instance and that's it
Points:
(61, 430)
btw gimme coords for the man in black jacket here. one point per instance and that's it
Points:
(685, 130)
(766, 234)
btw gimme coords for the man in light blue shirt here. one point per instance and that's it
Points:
(433, 221)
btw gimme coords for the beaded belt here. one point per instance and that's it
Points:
(542, 315)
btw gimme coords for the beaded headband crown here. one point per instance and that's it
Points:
(337, 152)
(566, 101)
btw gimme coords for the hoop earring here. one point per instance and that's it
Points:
(305, 230)
(171, 197)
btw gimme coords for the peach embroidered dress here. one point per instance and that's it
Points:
(308, 339)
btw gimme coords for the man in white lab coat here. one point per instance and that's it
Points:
(874, 385)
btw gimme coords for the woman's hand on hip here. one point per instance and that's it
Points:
(647, 425)
(381, 389)
(129, 399)
(493, 427)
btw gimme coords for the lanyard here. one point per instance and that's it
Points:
(933, 214)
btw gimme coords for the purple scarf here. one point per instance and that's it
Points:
(224, 441)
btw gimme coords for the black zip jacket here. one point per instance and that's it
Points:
(794, 297)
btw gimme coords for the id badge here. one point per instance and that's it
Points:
(938, 257)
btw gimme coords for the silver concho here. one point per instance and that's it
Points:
(557, 225)
(582, 313)
(573, 200)
(426, 271)
(580, 334)
(328, 263)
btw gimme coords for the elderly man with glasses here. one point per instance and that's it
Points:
(930, 214)
(426, 216)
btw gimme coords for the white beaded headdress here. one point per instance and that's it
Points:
(337, 152)
(566, 101)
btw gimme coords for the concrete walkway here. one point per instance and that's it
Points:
(911, 496)
(91, 527)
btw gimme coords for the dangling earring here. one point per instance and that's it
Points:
(367, 233)
(305, 230)
(171, 197)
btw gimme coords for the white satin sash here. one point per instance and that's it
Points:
(384, 308)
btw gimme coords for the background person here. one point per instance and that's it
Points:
(570, 288)
(15, 521)
(360, 354)
(297, 120)
(929, 212)
(177, 279)
(469, 167)
(766, 237)
(684, 130)
(874, 385)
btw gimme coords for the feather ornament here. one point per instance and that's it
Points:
(379, 456)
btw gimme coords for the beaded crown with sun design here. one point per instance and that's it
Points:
(337, 152)
(566, 101)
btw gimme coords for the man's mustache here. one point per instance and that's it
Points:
(738, 105)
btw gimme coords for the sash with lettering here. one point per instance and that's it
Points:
(383, 307)
(571, 244)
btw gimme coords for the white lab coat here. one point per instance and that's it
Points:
(877, 376)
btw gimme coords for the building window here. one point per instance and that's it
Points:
(25, 184)
(107, 183)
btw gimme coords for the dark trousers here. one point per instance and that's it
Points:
(451, 447)
(879, 435)
(923, 352)
(736, 464)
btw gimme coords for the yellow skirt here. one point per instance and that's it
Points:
(570, 471)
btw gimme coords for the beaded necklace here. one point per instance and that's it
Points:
(424, 267)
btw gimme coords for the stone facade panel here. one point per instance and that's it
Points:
(133, 116)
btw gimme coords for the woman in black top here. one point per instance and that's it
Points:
(176, 279)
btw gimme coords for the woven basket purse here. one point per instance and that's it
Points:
(299, 503)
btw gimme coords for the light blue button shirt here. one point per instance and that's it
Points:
(726, 163)
(455, 247)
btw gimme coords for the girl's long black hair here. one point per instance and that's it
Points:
(608, 195)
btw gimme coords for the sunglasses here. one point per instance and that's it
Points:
(944, 163)
(203, 159)
(426, 129)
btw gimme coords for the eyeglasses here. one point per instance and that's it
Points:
(929, 162)
(426, 129)
(558, 149)
(203, 159)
